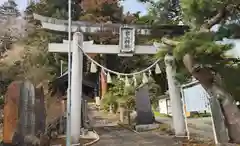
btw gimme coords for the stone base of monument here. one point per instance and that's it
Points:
(89, 135)
(146, 127)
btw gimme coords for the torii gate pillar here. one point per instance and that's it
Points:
(175, 96)
(76, 87)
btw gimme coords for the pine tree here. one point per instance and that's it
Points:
(198, 55)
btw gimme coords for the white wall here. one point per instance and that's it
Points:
(162, 106)
(235, 52)
(196, 98)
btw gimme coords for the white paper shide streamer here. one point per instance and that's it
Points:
(135, 80)
(149, 72)
(157, 69)
(144, 78)
(93, 68)
(109, 79)
(127, 84)
(118, 76)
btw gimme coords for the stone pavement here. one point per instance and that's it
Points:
(111, 134)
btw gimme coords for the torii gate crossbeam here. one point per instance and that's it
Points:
(102, 49)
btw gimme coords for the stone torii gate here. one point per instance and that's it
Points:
(126, 47)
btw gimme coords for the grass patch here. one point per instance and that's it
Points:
(157, 114)
(200, 115)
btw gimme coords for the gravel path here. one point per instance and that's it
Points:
(118, 136)
(111, 134)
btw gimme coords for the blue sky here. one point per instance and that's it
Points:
(129, 5)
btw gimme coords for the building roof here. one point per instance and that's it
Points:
(60, 84)
(64, 78)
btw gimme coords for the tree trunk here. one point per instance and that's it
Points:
(228, 107)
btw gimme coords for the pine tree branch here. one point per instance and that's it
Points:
(215, 20)
(205, 27)
(197, 70)
(222, 13)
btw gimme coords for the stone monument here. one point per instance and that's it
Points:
(145, 117)
(143, 106)
(24, 114)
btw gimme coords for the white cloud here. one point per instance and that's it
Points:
(134, 6)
